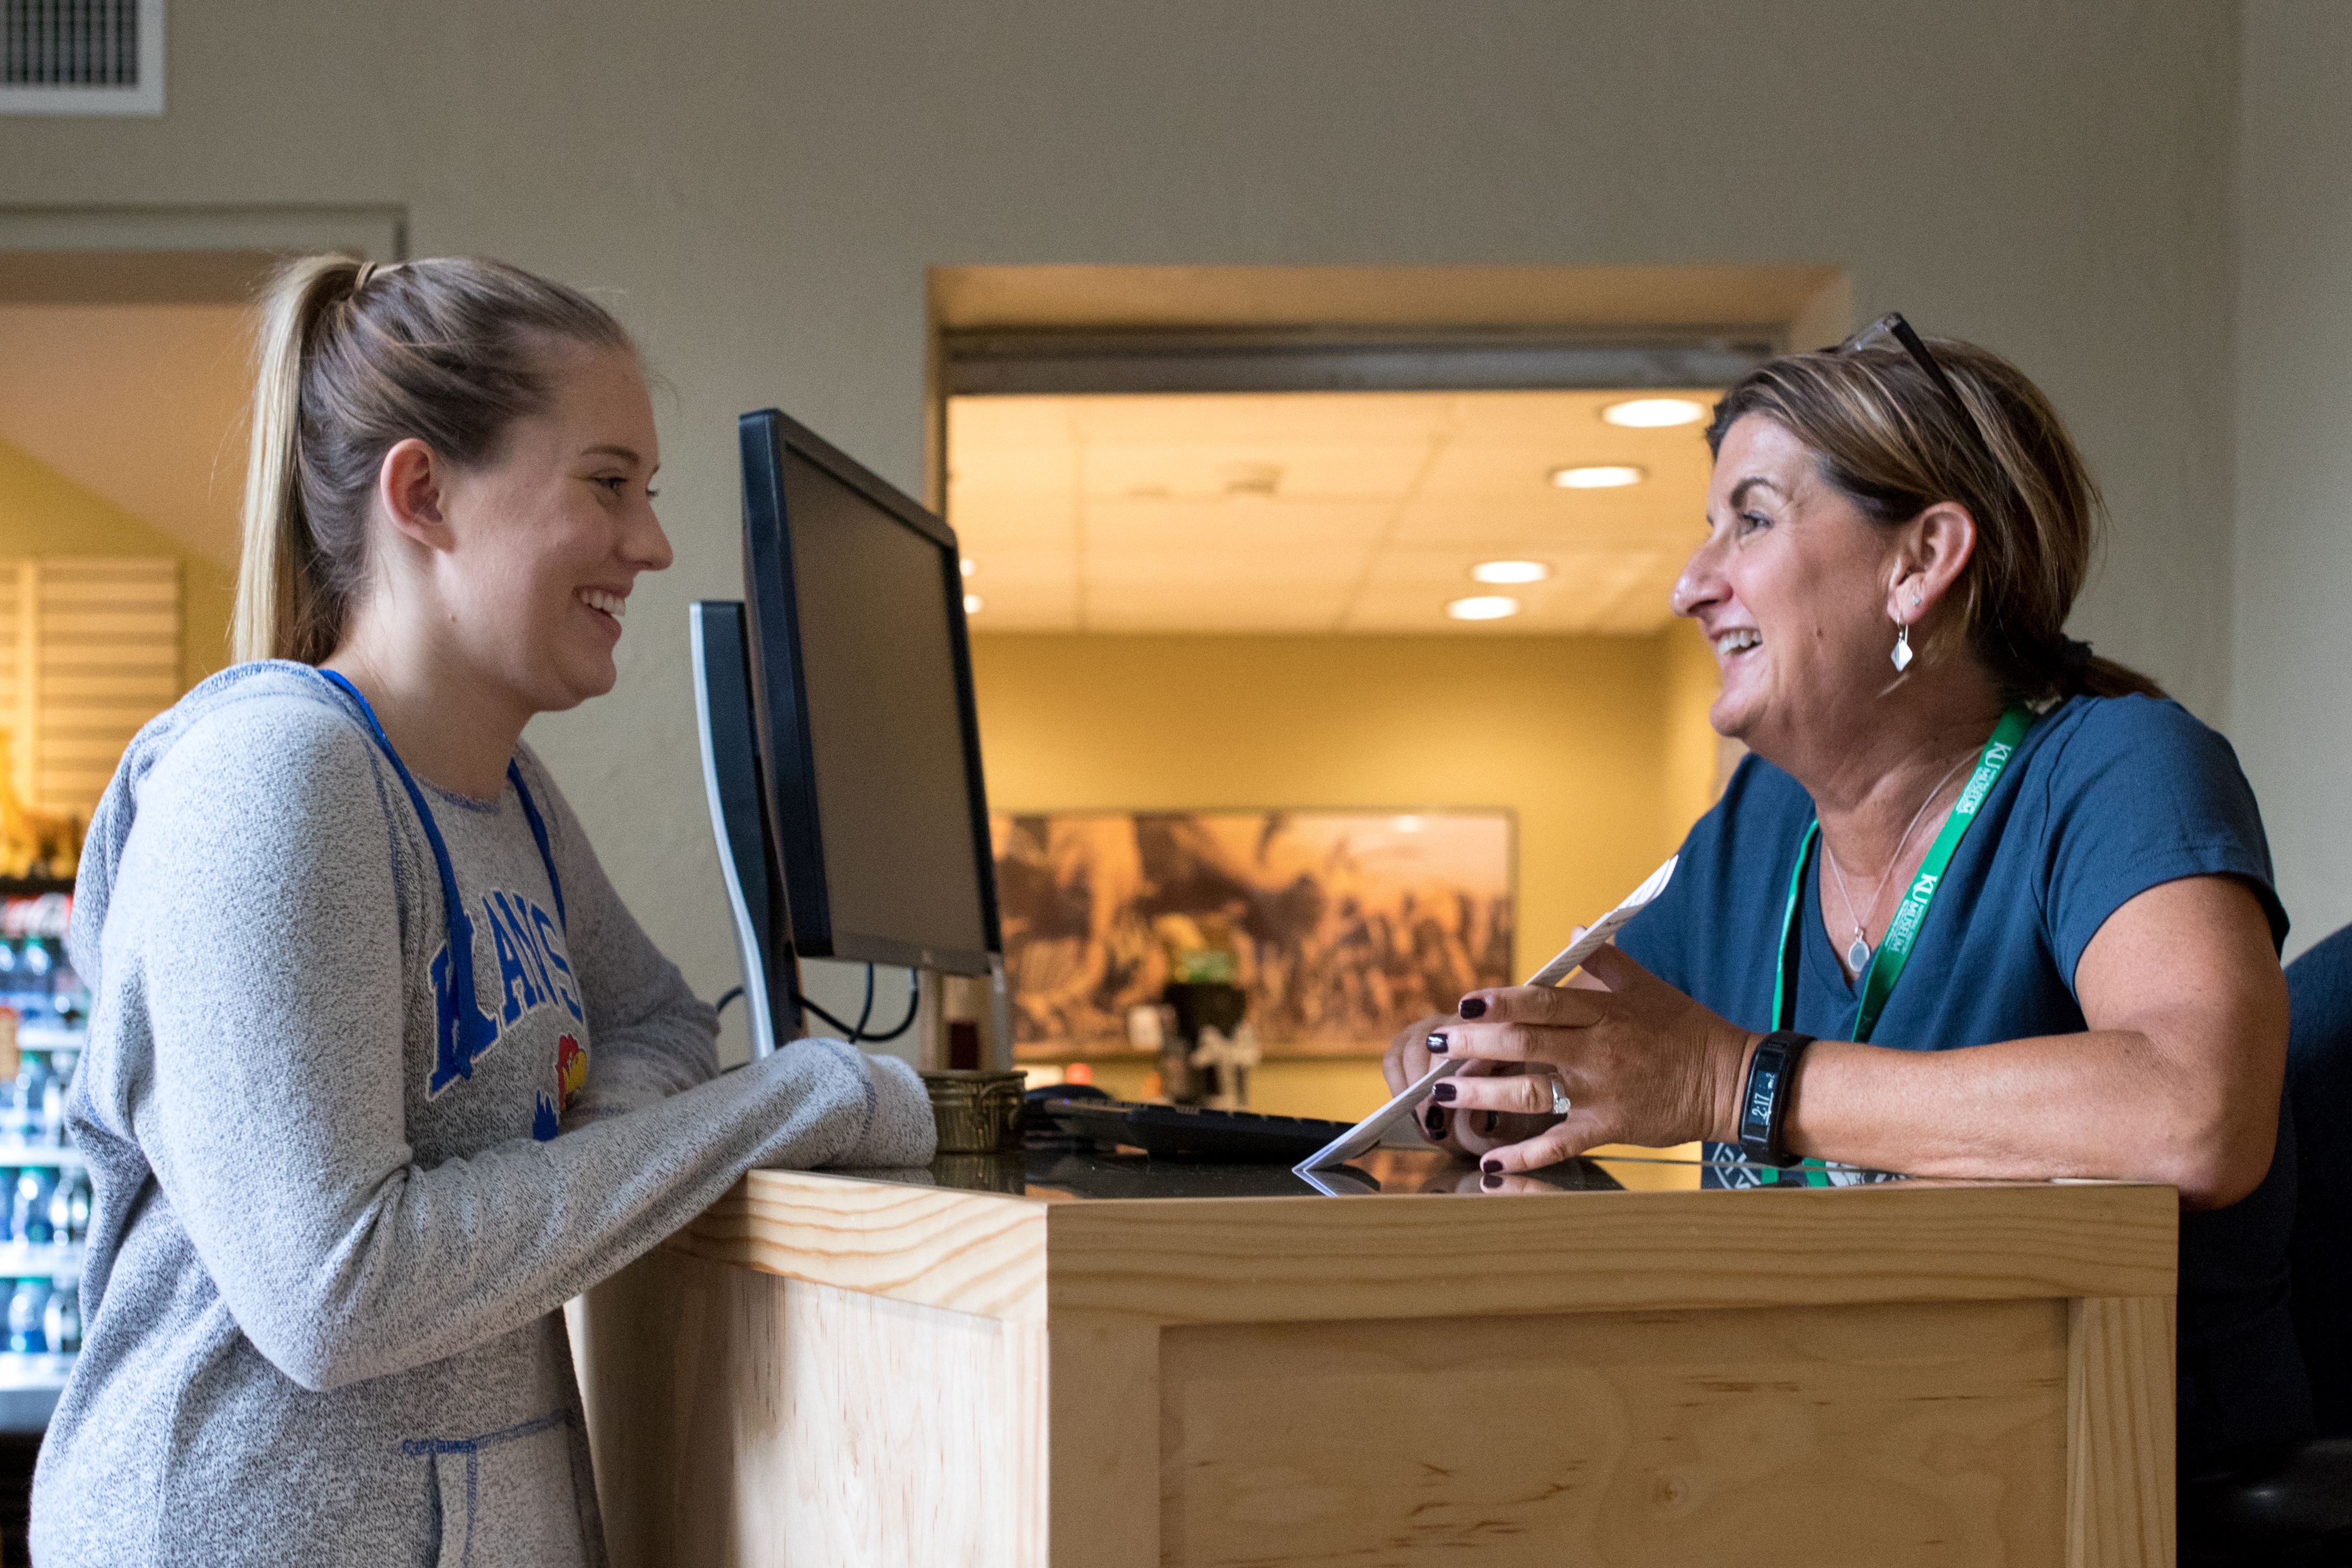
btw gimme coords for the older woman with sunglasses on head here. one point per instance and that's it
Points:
(1956, 828)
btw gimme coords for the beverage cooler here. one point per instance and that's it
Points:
(44, 1187)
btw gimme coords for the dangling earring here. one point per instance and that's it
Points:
(1902, 654)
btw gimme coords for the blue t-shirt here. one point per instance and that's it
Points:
(2105, 798)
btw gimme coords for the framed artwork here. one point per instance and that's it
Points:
(1340, 926)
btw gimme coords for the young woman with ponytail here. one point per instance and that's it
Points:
(381, 1071)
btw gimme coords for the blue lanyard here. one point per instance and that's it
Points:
(462, 1030)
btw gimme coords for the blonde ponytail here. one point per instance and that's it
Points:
(352, 359)
(275, 559)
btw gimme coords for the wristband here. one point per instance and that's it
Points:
(1765, 1105)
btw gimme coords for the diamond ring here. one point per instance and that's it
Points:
(1560, 1104)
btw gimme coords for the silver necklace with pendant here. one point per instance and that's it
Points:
(1858, 952)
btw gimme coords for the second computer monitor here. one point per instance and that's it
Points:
(869, 738)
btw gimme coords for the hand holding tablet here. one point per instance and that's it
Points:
(1366, 1134)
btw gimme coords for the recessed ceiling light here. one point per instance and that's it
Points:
(1597, 476)
(1510, 572)
(969, 565)
(1653, 413)
(1483, 607)
(973, 604)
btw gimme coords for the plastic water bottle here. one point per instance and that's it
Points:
(33, 967)
(61, 1207)
(53, 1108)
(34, 1186)
(26, 1305)
(24, 1099)
(61, 1321)
(75, 1227)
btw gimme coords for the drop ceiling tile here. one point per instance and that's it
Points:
(1252, 572)
(993, 469)
(1513, 418)
(1339, 519)
(1461, 469)
(1176, 530)
(983, 425)
(1397, 607)
(1583, 590)
(1281, 467)
(1022, 567)
(1400, 565)
(1212, 607)
(1468, 524)
(1014, 519)
(1304, 418)
(1027, 609)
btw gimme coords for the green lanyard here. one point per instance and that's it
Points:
(1894, 949)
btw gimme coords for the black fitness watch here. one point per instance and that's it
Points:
(1765, 1105)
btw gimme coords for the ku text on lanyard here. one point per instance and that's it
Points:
(462, 1031)
(1903, 931)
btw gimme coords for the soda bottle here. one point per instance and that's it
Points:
(34, 1183)
(61, 1322)
(27, 1335)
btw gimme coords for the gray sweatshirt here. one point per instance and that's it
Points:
(327, 1256)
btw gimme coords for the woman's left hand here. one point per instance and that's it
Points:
(1642, 1062)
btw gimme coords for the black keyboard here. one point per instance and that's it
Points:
(1195, 1133)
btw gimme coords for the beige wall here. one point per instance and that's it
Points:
(760, 185)
(2289, 705)
(1582, 738)
(1599, 746)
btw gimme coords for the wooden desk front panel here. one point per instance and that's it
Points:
(828, 1372)
(742, 1420)
(1930, 1433)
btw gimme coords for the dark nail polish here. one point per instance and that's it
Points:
(1474, 1007)
(1443, 1094)
(1437, 1046)
(1492, 1167)
(1490, 1181)
(1435, 1121)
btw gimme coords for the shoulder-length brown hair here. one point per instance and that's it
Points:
(1890, 440)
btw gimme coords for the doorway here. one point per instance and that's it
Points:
(1289, 541)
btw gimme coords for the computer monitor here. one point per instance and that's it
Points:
(868, 737)
(731, 774)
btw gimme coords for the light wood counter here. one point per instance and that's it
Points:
(837, 1369)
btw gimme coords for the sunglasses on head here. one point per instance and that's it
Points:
(1892, 326)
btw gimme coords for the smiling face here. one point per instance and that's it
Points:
(1791, 589)
(550, 536)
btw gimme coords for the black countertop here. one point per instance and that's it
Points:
(1061, 1170)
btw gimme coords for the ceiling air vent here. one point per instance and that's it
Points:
(82, 57)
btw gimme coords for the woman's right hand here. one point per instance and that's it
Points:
(1473, 1133)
